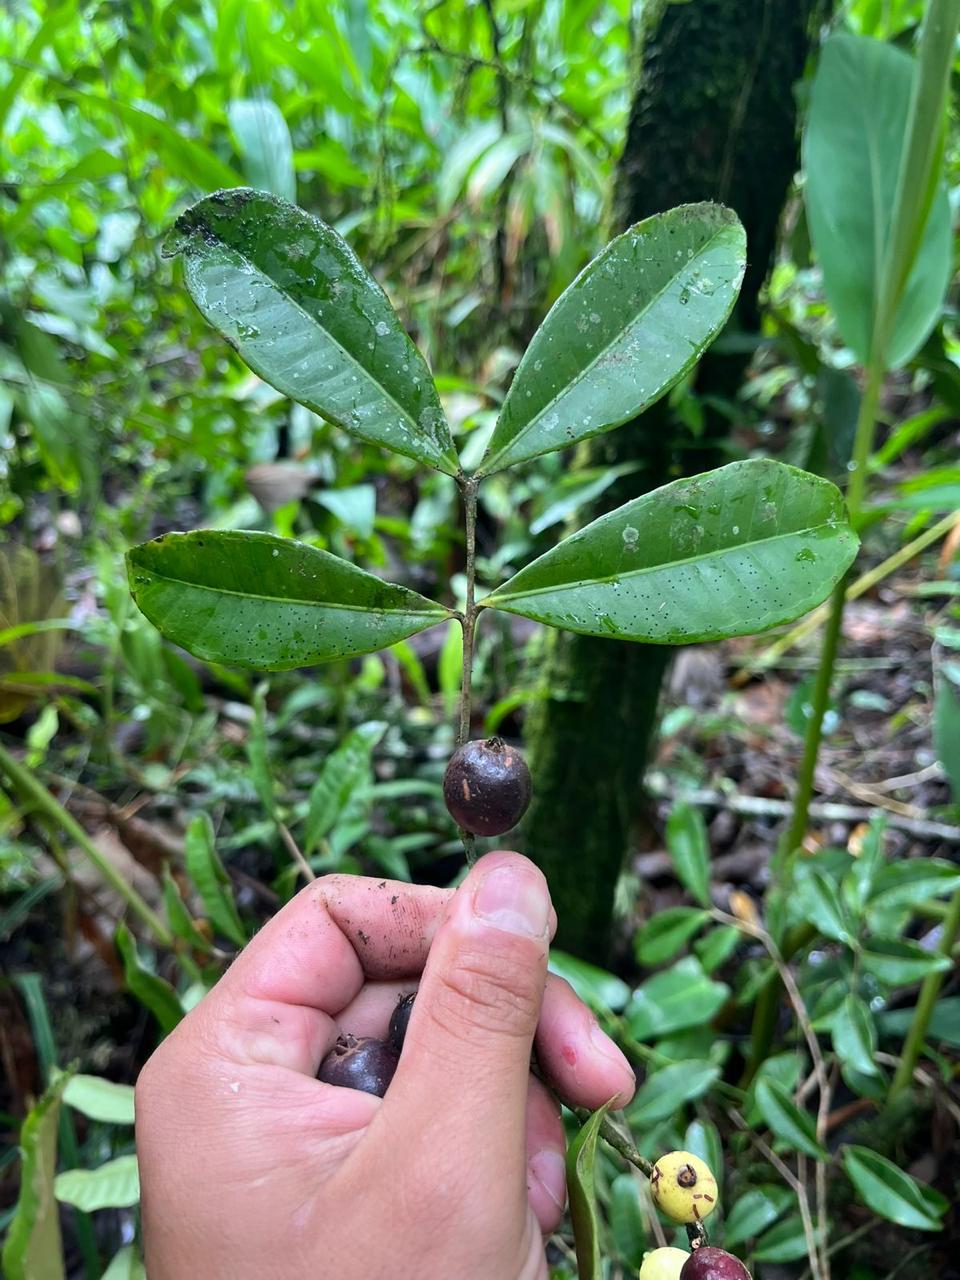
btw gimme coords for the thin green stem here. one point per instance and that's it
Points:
(31, 789)
(468, 487)
(929, 991)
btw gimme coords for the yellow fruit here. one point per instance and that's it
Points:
(683, 1187)
(663, 1264)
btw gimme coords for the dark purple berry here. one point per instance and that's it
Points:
(487, 787)
(400, 1021)
(360, 1063)
(707, 1263)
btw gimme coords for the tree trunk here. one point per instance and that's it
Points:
(713, 118)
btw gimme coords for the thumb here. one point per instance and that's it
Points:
(466, 1055)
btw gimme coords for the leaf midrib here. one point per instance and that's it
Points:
(485, 468)
(667, 564)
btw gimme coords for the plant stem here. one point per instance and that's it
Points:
(40, 798)
(614, 1139)
(913, 1045)
(468, 487)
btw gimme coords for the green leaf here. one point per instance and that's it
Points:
(450, 666)
(891, 1193)
(854, 138)
(716, 947)
(703, 1139)
(629, 327)
(263, 141)
(901, 963)
(126, 1265)
(662, 937)
(602, 991)
(664, 1093)
(626, 1220)
(689, 848)
(291, 296)
(786, 1120)
(100, 1099)
(756, 1210)
(786, 1242)
(33, 1250)
(178, 917)
(855, 1036)
(343, 773)
(682, 996)
(155, 994)
(582, 1192)
(210, 879)
(114, 1185)
(818, 899)
(946, 732)
(728, 553)
(255, 600)
(944, 1023)
(913, 882)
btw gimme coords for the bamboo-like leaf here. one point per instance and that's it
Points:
(631, 324)
(32, 1248)
(256, 600)
(210, 879)
(155, 994)
(291, 296)
(729, 553)
(582, 1192)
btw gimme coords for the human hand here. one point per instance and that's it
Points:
(252, 1168)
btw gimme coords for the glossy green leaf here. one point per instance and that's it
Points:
(662, 937)
(100, 1099)
(900, 963)
(344, 771)
(263, 141)
(155, 994)
(582, 1194)
(689, 847)
(786, 1120)
(681, 996)
(891, 1193)
(114, 1185)
(853, 141)
(786, 1242)
(210, 879)
(626, 1220)
(596, 987)
(32, 1248)
(291, 296)
(665, 1092)
(255, 600)
(855, 1036)
(756, 1210)
(631, 324)
(732, 552)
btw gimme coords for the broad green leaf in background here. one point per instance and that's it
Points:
(33, 1248)
(946, 732)
(702, 1138)
(893, 1194)
(601, 990)
(582, 1193)
(631, 324)
(291, 296)
(817, 898)
(852, 148)
(944, 1023)
(626, 1219)
(689, 849)
(662, 937)
(665, 1092)
(343, 772)
(786, 1120)
(855, 1036)
(155, 994)
(900, 963)
(913, 882)
(786, 1242)
(210, 879)
(100, 1099)
(178, 917)
(681, 996)
(256, 600)
(733, 552)
(756, 1210)
(263, 141)
(114, 1185)
(450, 666)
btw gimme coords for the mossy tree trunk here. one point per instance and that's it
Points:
(713, 118)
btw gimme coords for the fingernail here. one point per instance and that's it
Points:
(548, 1167)
(514, 900)
(605, 1047)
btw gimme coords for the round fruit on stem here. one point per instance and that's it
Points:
(683, 1187)
(708, 1263)
(362, 1062)
(487, 787)
(663, 1264)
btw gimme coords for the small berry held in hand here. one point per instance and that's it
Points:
(487, 787)
(683, 1187)
(713, 1264)
(663, 1264)
(401, 1020)
(360, 1063)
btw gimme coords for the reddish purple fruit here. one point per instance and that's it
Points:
(360, 1063)
(487, 787)
(707, 1263)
